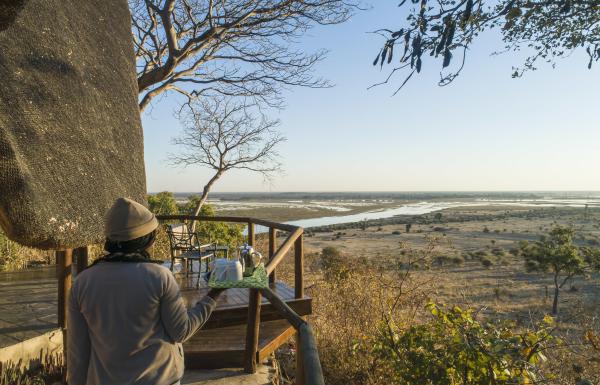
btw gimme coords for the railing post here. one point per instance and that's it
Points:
(299, 293)
(250, 233)
(253, 326)
(300, 377)
(272, 247)
(64, 262)
(81, 258)
(299, 267)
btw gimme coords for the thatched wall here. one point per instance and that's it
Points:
(70, 132)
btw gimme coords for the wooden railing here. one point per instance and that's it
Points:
(308, 366)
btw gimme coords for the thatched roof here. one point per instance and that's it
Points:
(70, 132)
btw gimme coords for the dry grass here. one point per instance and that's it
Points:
(345, 312)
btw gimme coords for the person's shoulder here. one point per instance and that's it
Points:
(157, 269)
(161, 276)
(83, 276)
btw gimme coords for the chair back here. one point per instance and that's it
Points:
(181, 238)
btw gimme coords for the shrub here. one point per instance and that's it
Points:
(334, 266)
(500, 291)
(486, 262)
(441, 260)
(396, 232)
(593, 242)
(480, 254)
(498, 251)
(163, 203)
(514, 251)
(457, 260)
(485, 229)
(50, 370)
(455, 348)
(330, 252)
(14, 256)
(503, 261)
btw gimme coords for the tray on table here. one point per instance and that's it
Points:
(258, 280)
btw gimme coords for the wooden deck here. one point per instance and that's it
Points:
(225, 347)
(222, 341)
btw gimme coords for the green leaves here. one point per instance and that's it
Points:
(549, 29)
(454, 348)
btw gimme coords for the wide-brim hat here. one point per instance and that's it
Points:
(127, 220)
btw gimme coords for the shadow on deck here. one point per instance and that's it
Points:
(221, 342)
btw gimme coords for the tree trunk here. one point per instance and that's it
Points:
(204, 197)
(556, 291)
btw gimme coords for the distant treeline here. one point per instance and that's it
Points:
(253, 196)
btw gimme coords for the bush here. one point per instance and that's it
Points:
(480, 254)
(441, 260)
(514, 251)
(396, 232)
(14, 256)
(348, 310)
(455, 348)
(334, 265)
(498, 251)
(330, 252)
(457, 260)
(593, 242)
(485, 229)
(51, 370)
(486, 262)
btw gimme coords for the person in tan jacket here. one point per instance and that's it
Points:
(126, 317)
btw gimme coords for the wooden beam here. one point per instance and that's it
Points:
(300, 377)
(278, 226)
(312, 373)
(299, 267)
(253, 325)
(272, 246)
(64, 262)
(251, 237)
(239, 315)
(182, 218)
(252, 330)
(283, 249)
(81, 258)
(283, 308)
(203, 218)
(268, 349)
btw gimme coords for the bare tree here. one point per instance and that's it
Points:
(223, 135)
(227, 47)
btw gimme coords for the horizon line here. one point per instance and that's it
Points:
(378, 191)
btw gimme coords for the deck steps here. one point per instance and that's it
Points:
(224, 347)
(221, 343)
(228, 376)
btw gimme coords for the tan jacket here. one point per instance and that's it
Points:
(126, 322)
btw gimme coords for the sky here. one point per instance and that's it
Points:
(484, 132)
